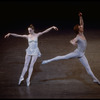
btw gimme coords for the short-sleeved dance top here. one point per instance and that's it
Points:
(33, 48)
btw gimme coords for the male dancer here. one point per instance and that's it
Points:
(79, 52)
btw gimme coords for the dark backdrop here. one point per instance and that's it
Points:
(19, 14)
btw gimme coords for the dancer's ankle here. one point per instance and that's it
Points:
(28, 82)
(20, 80)
(96, 81)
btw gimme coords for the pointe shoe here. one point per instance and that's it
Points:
(96, 81)
(27, 82)
(44, 62)
(20, 80)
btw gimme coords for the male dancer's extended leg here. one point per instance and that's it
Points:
(27, 60)
(34, 58)
(68, 56)
(85, 63)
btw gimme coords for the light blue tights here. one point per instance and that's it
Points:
(82, 59)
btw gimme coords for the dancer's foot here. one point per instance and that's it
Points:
(20, 80)
(45, 61)
(96, 81)
(27, 82)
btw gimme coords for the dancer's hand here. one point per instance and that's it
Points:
(6, 36)
(80, 14)
(54, 27)
(73, 42)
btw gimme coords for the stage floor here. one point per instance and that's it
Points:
(56, 80)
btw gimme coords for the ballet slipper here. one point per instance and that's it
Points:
(96, 81)
(20, 80)
(28, 82)
(44, 62)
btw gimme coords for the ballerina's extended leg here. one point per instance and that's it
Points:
(27, 60)
(34, 58)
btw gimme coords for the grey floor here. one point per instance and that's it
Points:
(56, 80)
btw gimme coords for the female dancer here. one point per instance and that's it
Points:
(32, 51)
(79, 53)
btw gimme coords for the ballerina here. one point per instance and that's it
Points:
(32, 52)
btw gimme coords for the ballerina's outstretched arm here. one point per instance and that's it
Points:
(47, 30)
(15, 35)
